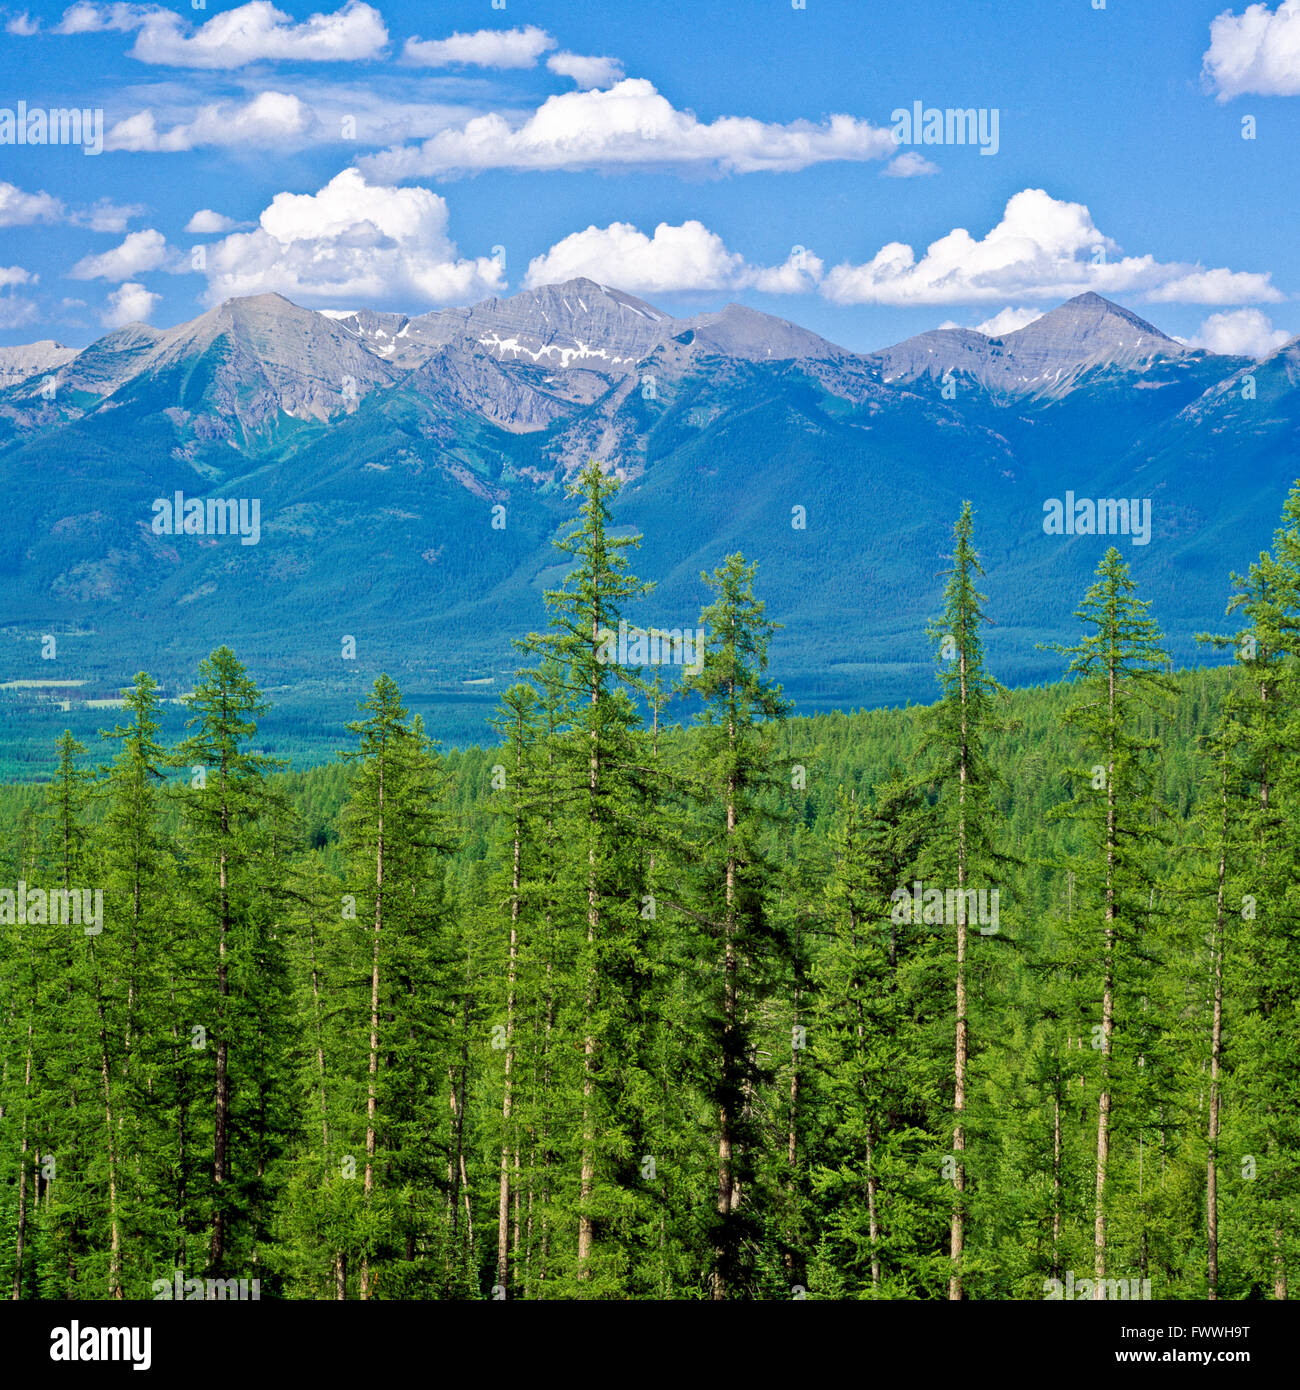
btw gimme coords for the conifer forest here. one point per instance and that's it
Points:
(664, 993)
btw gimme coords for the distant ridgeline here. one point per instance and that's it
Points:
(335, 494)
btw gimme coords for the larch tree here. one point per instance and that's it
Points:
(600, 763)
(962, 835)
(395, 835)
(1118, 666)
(736, 784)
(232, 839)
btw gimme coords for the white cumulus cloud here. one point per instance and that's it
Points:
(129, 303)
(1007, 320)
(314, 114)
(586, 71)
(689, 257)
(22, 25)
(141, 251)
(205, 222)
(679, 259)
(19, 209)
(270, 119)
(631, 125)
(1240, 333)
(1220, 286)
(104, 215)
(87, 18)
(484, 48)
(1255, 52)
(15, 310)
(800, 272)
(909, 165)
(251, 33)
(1042, 248)
(354, 242)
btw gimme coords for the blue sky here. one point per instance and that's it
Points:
(405, 156)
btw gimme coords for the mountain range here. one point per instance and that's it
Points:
(411, 474)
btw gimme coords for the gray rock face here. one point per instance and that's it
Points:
(302, 360)
(18, 364)
(265, 356)
(519, 401)
(109, 361)
(934, 353)
(752, 336)
(1045, 357)
(386, 335)
(575, 324)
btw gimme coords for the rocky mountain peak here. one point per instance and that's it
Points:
(742, 332)
(573, 323)
(1044, 358)
(1091, 325)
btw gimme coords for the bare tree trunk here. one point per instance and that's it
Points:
(873, 1183)
(587, 1178)
(372, 1082)
(503, 1207)
(469, 1211)
(1107, 1017)
(1279, 1269)
(873, 1217)
(115, 1239)
(792, 1147)
(221, 1117)
(516, 1210)
(727, 1192)
(456, 1160)
(957, 1238)
(21, 1234)
(792, 1150)
(135, 946)
(1216, 1037)
(958, 1233)
(340, 1263)
(182, 1110)
(320, 1041)
(22, 1174)
(726, 1177)
(458, 1110)
(544, 1251)
(1056, 1175)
